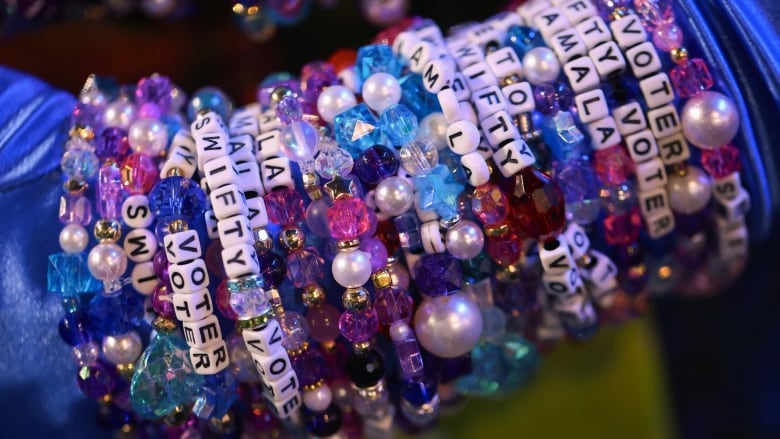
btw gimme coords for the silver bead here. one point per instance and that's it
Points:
(710, 120)
(122, 349)
(541, 65)
(448, 326)
(691, 192)
(319, 399)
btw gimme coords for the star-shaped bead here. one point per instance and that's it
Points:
(339, 187)
(439, 191)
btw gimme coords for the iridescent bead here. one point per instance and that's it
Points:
(464, 240)
(138, 173)
(618, 199)
(489, 204)
(523, 38)
(622, 229)
(248, 304)
(112, 143)
(392, 304)
(317, 218)
(419, 157)
(709, 120)
(438, 275)
(120, 113)
(295, 329)
(399, 123)
(667, 36)
(613, 165)
(109, 193)
(323, 323)
(365, 369)
(299, 141)
(537, 203)
(68, 275)
(374, 59)
(721, 162)
(86, 115)
(216, 397)
(357, 129)
(148, 136)
(305, 267)
(79, 163)
(358, 326)
(691, 78)
(347, 218)
(272, 269)
(333, 161)
(580, 188)
(289, 109)
(96, 381)
(210, 98)
(376, 249)
(285, 207)
(154, 89)
(654, 13)
(562, 136)
(375, 164)
(175, 198)
(75, 209)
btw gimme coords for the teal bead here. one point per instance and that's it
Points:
(439, 191)
(399, 123)
(477, 268)
(68, 275)
(500, 367)
(416, 97)
(357, 129)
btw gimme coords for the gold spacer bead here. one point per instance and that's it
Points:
(106, 399)
(314, 386)
(224, 425)
(85, 133)
(347, 244)
(382, 278)
(679, 55)
(278, 93)
(292, 238)
(511, 273)
(264, 242)
(75, 187)
(361, 347)
(355, 299)
(313, 295)
(299, 351)
(174, 172)
(254, 322)
(509, 80)
(163, 324)
(496, 230)
(177, 226)
(107, 230)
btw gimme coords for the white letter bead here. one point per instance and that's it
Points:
(143, 278)
(269, 121)
(484, 34)
(674, 149)
(181, 158)
(513, 156)
(268, 145)
(463, 137)
(219, 172)
(661, 223)
(582, 74)
(594, 32)
(235, 230)
(210, 146)
(563, 283)
(277, 174)
(211, 224)
(240, 260)
(467, 112)
(182, 246)
(258, 214)
(608, 59)
(504, 62)
(136, 212)
(479, 76)
(140, 245)
(628, 31)
(193, 307)
(591, 105)
(476, 169)
(555, 256)
(431, 33)
(202, 333)
(249, 178)
(498, 127)
(404, 42)
(431, 238)
(484, 149)
(629, 118)
(437, 74)
(283, 388)
(651, 174)
(550, 22)
(734, 243)
(188, 277)
(653, 201)
(727, 188)
(241, 148)
(467, 55)
(227, 201)
(568, 45)
(664, 121)
(183, 139)
(576, 308)
(578, 10)
(531, 9)
(643, 59)
(504, 20)
(578, 240)
(272, 366)
(244, 122)
(734, 208)
(604, 133)
(284, 409)
(265, 340)
(600, 272)
(459, 86)
(209, 360)
(519, 98)
(641, 146)
(488, 101)
(209, 122)
(657, 90)
(450, 106)
(421, 53)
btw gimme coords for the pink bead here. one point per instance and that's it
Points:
(323, 323)
(149, 110)
(505, 249)
(668, 37)
(223, 301)
(613, 165)
(285, 207)
(348, 218)
(721, 162)
(691, 78)
(138, 173)
(654, 13)
(162, 303)
(358, 326)
(489, 204)
(622, 229)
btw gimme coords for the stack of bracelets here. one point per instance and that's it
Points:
(471, 198)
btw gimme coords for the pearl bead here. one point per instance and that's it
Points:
(334, 100)
(541, 65)
(107, 261)
(394, 196)
(380, 91)
(120, 114)
(465, 240)
(448, 326)
(691, 192)
(384, 13)
(710, 120)
(400, 331)
(74, 238)
(148, 136)
(351, 269)
(122, 349)
(434, 127)
(319, 399)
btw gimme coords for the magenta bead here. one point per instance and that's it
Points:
(348, 218)
(393, 304)
(668, 37)
(160, 305)
(691, 78)
(285, 207)
(149, 110)
(376, 249)
(223, 301)
(613, 165)
(721, 162)
(358, 326)
(139, 173)
(622, 229)
(323, 323)
(373, 222)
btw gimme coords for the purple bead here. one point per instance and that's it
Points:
(546, 99)
(373, 223)
(285, 207)
(109, 202)
(304, 267)
(277, 80)
(289, 110)
(177, 198)
(155, 89)
(409, 357)
(580, 187)
(73, 328)
(323, 323)
(162, 303)
(75, 209)
(272, 270)
(86, 115)
(310, 366)
(317, 82)
(565, 95)
(375, 164)
(378, 252)
(96, 381)
(160, 264)
(112, 143)
(358, 326)
(438, 275)
(607, 7)
(393, 304)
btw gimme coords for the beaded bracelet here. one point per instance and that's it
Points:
(460, 236)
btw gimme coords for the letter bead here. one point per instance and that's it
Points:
(657, 90)
(660, 223)
(210, 145)
(269, 121)
(227, 201)
(463, 137)
(185, 160)
(550, 22)
(504, 62)
(531, 9)
(283, 388)
(404, 42)
(651, 174)
(245, 122)
(240, 260)
(450, 106)
(608, 59)
(432, 241)
(268, 145)
(211, 224)
(479, 76)
(643, 59)
(140, 245)
(564, 283)
(467, 55)
(599, 272)
(285, 409)
(734, 208)
(488, 101)
(136, 212)
(277, 174)
(628, 31)
(460, 87)
(576, 309)
(519, 98)
(484, 35)
(568, 45)
(604, 133)
(674, 149)
(208, 122)
(249, 180)
(437, 74)
(143, 278)
(641, 146)
(578, 240)
(629, 118)
(513, 156)
(193, 307)
(498, 127)
(476, 168)
(577, 11)
(264, 340)
(202, 333)
(733, 243)
(257, 212)
(182, 246)
(241, 148)
(591, 105)
(467, 112)
(728, 187)
(664, 121)
(422, 52)
(273, 366)
(188, 277)
(555, 256)
(594, 31)
(653, 201)
(582, 75)
(235, 230)
(219, 172)
(209, 360)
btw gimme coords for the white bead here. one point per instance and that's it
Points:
(582, 74)
(283, 388)
(272, 366)
(734, 243)
(484, 34)
(193, 307)
(484, 149)
(600, 272)
(182, 246)
(143, 278)
(467, 112)
(448, 326)
(464, 240)
(210, 146)
(550, 22)
(421, 53)
(122, 349)
(604, 133)
(459, 86)
(394, 196)
(661, 223)
(219, 172)
(351, 269)
(370, 201)
(319, 399)
(541, 65)
(268, 145)
(209, 122)
(657, 90)
(249, 180)
(211, 224)
(641, 146)
(555, 256)
(463, 137)
(504, 20)
(235, 230)
(504, 62)
(578, 10)
(479, 76)
(334, 100)
(734, 208)
(424, 215)
(450, 106)
(209, 360)
(608, 59)
(689, 193)
(149, 136)
(498, 127)
(380, 91)
(404, 42)
(241, 148)
(594, 32)
(269, 121)
(245, 122)
(565, 283)
(240, 260)
(577, 240)
(591, 105)
(107, 261)
(568, 45)
(674, 149)
(629, 118)
(512, 157)
(488, 101)
(651, 174)
(653, 201)
(643, 59)
(285, 409)
(432, 240)
(710, 120)
(467, 55)
(430, 33)
(664, 121)
(628, 31)
(277, 174)
(121, 114)
(519, 98)
(182, 159)
(74, 238)
(140, 245)
(202, 333)
(531, 9)
(728, 187)
(264, 340)
(437, 74)
(227, 201)
(188, 277)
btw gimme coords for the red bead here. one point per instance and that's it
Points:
(537, 203)
(285, 207)
(386, 232)
(721, 162)
(348, 218)
(489, 204)
(138, 173)
(387, 36)
(342, 59)
(622, 229)
(506, 248)
(613, 165)
(691, 78)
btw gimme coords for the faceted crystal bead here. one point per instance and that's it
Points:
(162, 301)
(75, 208)
(580, 189)
(399, 123)
(506, 248)
(439, 191)
(416, 97)
(376, 58)
(139, 173)
(691, 78)
(97, 380)
(79, 163)
(323, 323)
(318, 81)
(295, 328)
(272, 269)
(546, 99)
(419, 157)
(537, 203)
(654, 13)
(305, 267)
(117, 314)
(222, 299)
(377, 251)
(392, 304)
(621, 89)
(333, 161)
(216, 396)
(112, 143)
(68, 275)
(285, 207)
(523, 38)
(408, 228)
(310, 366)
(365, 369)
(409, 357)
(489, 204)
(177, 198)
(289, 109)
(613, 165)
(248, 304)
(622, 229)
(608, 8)
(477, 268)
(73, 328)
(618, 199)
(562, 136)
(375, 164)
(109, 193)
(668, 36)
(87, 115)
(500, 368)
(357, 129)
(155, 89)
(347, 218)
(358, 326)
(721, 162)
(438, 275)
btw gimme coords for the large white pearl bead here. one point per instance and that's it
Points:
(710, 120)
(448, 326)
(107, 261)
(394, 196)
(319, 399)
(148, 136)
(691, 192)
(464, 240)
(434, 127)
(351, 268)
(380, 91)
(334, 100)
(122, 349)
(120, 114)
(541, 65)
(74, 238)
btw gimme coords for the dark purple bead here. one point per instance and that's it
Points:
(438, 275)
(272, 270)
(365, 369)
(565, 95)
(317, 82)
(160, 264)
(74, 328)
(111, 417)
(325, 423)
(378, 252)
(87, 115)
(161, 303)
(96, 381)
(546, 99)
(310, 366)
(375, 164)
(393, 304)
(304, 267)
(155, 89)
(177, 198)
(112, 144)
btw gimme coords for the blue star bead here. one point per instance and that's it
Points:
(439, 191)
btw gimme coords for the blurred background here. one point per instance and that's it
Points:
(689, 368)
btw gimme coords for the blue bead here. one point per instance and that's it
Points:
(116, 314)
(357, 129)
(416, 97)
(175, 198)
(210, 98)
(74, 328)
(79, 163)
(375, 164)
(376, 58)
(323, 424)
(562, 136)
(439, 191)
(621, 89)
(217, 395)
(580, 187)
(523, 38)
(68, 275)
(408, 227)
(399, 123)
(419, 391)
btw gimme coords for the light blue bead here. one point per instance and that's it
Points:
(399, 123)
(357, 129)
(210, 98)
(69, 276)
(217, 395)
(439, 191)
(79, 163)
(376, 58)
(562, 136)
(416, 97)
(299, 141)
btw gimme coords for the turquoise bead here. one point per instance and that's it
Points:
(69, 276)
(439, 191)
(376, 58)
(416, 97)
(357, 129)
(399, 123)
